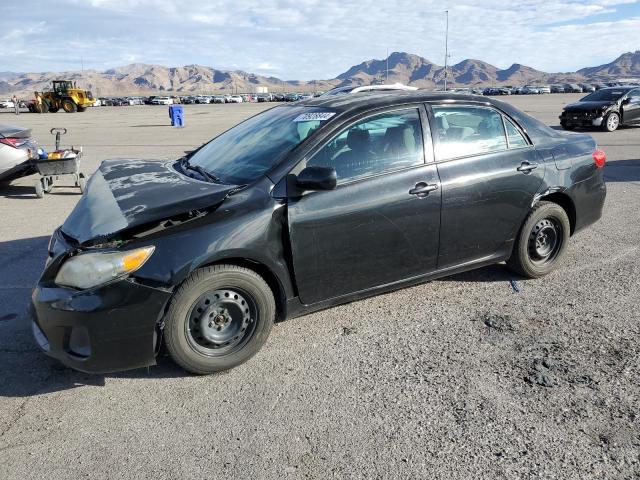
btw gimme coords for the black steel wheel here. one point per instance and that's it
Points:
(219, 318)
(220, 321)
(545, 240)
(542, 241)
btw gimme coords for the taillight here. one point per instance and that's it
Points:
(12, 142)
(599, 158)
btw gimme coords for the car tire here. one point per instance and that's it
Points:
(541, 242)
(218, 318)
(39, 189)
(611, 123)
(53, 109)
(69, 105)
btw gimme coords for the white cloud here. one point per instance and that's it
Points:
(319, 39)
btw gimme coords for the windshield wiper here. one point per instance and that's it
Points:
(184, 163)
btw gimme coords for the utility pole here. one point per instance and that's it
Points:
(387, 66)
(446, 50)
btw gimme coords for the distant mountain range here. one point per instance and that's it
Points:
(403, 67)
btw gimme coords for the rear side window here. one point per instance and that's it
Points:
(516, 140)
(463, 131)
(376, 144)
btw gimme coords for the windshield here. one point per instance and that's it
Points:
(250, 149)
(606, 95)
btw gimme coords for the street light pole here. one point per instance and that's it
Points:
(446, 50)
(387, 66)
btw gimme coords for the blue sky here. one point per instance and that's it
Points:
(307, 39)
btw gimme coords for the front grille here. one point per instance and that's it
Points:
(580, 115)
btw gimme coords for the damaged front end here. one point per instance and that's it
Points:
(90, 309)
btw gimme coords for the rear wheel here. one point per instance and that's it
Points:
(69, 105)
(219, 318)
(541, 242)
(612, 122)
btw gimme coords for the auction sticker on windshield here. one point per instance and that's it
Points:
(307, 117)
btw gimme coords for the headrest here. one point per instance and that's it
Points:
(442, 122)
(357, 138)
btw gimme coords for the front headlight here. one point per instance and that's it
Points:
(90, 269)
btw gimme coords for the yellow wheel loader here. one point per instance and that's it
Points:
(66, 95)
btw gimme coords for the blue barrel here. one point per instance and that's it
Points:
(176, 115)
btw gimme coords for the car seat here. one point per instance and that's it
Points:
(359, 159)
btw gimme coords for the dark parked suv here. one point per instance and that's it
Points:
(299, 208)
(607, 108)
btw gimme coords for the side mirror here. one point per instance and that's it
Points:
(626, 101)
(317, 178)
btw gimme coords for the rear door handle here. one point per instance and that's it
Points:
(422, 189)
(526, 167)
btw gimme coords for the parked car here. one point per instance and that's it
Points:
(136, 101)
(218, 99)
(162, 101)
(6, 104)
(496, 91)
(17, 148)
(283, 215)
(235, 99)
(557, 89)
(106, 102)
(544, 89)
(608, 108)
(530, 90)
(365, 88)
(572, 88)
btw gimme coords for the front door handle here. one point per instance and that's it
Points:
(422, 189)
(526, 167)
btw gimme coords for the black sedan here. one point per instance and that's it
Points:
(300, 208)
(608, 108)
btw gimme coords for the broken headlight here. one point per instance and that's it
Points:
(91, 269)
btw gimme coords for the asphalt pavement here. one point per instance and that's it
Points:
(460, 378)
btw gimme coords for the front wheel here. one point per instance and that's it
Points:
(542, 241)
(612, 122)
(69, 105)
(219, 318)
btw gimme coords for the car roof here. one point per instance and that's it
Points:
(622, 87)
(379, 99)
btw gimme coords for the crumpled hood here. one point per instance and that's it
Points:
(588, 106)
(125, 193)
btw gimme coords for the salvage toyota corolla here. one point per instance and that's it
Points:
(299, 208)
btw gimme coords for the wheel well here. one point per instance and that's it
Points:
(567, 205)
(269, 277)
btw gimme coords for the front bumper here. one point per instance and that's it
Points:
(107, 329)
(580, 119)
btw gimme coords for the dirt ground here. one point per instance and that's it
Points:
(460, 378)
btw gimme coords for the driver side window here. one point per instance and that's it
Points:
(385, 142)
